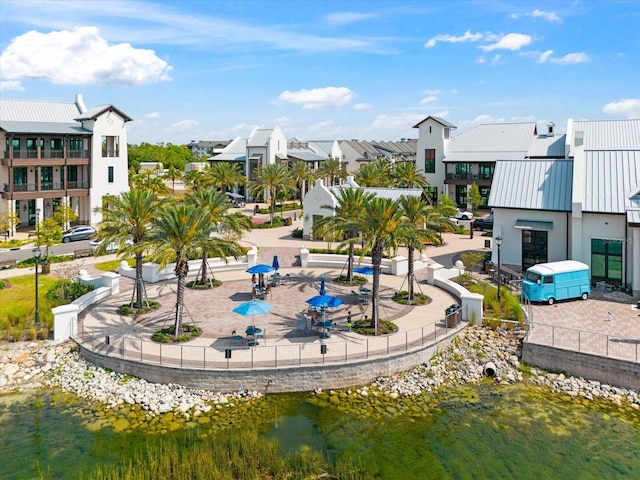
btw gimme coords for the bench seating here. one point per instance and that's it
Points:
(83, 252)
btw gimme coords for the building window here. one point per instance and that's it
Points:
(110, 146)
(485, 170)
(606, 261)
(20, 176)
(461, 195)
(429, 160)
(110, 174)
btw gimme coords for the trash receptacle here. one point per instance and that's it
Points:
(450, 317)
(488, 266)
(288, 221)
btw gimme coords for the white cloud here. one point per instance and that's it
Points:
(152, 115)
(318, 98)
(571, 58)
(78, 57)
(544, 56)
(15, 85)
(628, 107)
(443, 37)
(428, 99)
(385, 122)
(361, 106)
(432, 92)
(183, 125)
(453, 92)
(345, 18)
(510, 41)
(548, 16)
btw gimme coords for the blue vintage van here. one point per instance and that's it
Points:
(548, 282)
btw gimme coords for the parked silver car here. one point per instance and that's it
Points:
(81, 232)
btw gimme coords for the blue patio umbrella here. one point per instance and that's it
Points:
(323, 290)
(365, 270)
(252, 308)
(276, 263)
(327, 301)
(260, 268)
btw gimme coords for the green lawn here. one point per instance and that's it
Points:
(17, 306)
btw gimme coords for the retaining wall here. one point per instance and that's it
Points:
(303, 378)
(620, 373)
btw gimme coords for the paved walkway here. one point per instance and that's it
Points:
(616, 335)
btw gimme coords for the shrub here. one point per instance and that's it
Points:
(277, 222)
(2, 284)
(419, 298)
(127, 309)
(297, 233)
(167, 335)
(199, 285)
(363, 327)
(66, 291)
(357, 280)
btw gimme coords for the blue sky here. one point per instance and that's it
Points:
(212, 70)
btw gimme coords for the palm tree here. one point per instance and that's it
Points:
(215, 205)
(195, 179)
(224, 175)
(331, 169)
(301, 173)
(173, 174)
(406, 175)
(345, 221)
(180, 231)
(127, 222)
(382, 227)
(269, 180)
(374, 174)
(416, 212)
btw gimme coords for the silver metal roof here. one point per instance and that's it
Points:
(305, 155)
(42, 127)
(495, 137)
(38, 111)
(532, 185)
(544, 146)
(94, 112)
(611, 178)
(260, 138)
(440, 120)
(609, 134)
(480, 157)
(390, 193)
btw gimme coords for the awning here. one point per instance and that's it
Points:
(255, 156)
(534, 225)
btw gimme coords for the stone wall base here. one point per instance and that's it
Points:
(289, 379)
(619, 373)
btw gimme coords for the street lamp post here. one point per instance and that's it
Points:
(36, 254)
(499, 244)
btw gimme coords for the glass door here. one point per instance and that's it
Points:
(606, 261)
(534, 248)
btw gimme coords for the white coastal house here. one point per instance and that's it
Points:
(554, 197)
(320, 201)
(55, 152)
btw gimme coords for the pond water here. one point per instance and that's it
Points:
(485, 431)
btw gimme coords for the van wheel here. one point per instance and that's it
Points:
(551, 300)
(585, 295)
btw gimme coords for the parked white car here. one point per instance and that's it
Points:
(464, 215)
(111, 246)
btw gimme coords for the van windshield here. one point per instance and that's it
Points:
(533, 277)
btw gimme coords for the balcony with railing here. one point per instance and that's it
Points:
(469, 177)
(25, 158)
(27, 191)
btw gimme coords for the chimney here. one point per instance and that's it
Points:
(80, 103)
(550, 126)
